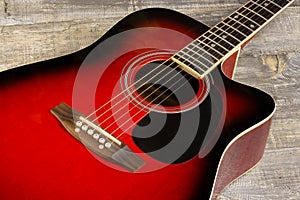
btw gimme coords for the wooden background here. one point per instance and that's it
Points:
(34, 30)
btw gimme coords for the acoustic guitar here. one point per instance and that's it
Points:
(152, 105)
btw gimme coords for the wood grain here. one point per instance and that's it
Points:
(32, 31)
(119, 154)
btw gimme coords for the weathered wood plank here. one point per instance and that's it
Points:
(42, 31)
(278, 179)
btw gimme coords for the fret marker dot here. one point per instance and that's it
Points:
(224, 36)
(252, 26)
(212, 45)
(236, 16)
(266, 4)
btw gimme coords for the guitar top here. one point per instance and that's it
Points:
(150, 109)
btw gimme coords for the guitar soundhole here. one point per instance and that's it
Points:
(158, 94)
(161, 85)
(175, 101)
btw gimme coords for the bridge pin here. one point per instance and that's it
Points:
(107, 145)
(84, 127)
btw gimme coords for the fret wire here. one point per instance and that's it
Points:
(282, 3)
(235, 29)
(206, 52)
(206, 48)
(239, 27)
(241, 24)
(207, 64)
(272, 6)
(215, 52)
(199, 63)
(219, 38)
(209, 47)
(202, 66)
(276, 4)
(261, 12)
(212, 45)
(187, 62)
(247, 13)
(228, 34)
(254, 12)
(217, 42)
(203, 50)
(263, 7)
(214, 48)
(199, 55)
(249, 19)
(210, 54)
(197, 60)
(268, 5)
(232, 30)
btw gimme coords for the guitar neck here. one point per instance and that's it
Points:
(201, 56)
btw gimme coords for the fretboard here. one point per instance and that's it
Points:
(210, 49)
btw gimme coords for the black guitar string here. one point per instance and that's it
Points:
(159, 96)
(175, 82)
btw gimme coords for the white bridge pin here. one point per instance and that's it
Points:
(84, 127)
(102, 140)
(107, 145)
(79, 123)
(90, 132)
(77, 130)
(96, 136)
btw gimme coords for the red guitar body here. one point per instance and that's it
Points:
(40, 160)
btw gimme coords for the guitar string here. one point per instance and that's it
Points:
(136, 114)
(120, 117)
(150, 95)
(155, 105)
(128, 88)
(140, 119)
(148, 105)
(174, 76)
(102, 122)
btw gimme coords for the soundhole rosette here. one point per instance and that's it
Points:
(152, 82)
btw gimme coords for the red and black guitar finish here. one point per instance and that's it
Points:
(176, 126)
